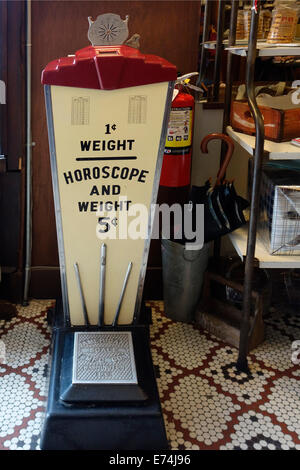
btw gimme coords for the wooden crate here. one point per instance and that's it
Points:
(222, 319)
(281, 124)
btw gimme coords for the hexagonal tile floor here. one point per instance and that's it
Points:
(206, 403)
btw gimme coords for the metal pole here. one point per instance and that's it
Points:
(115, 321)
(231, 42)
(82, 299)
(102, 284)
(227, 100)
(28, 229)
(242, 363)
(205, 36)
(219, 49)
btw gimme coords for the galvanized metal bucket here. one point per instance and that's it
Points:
(183, 273)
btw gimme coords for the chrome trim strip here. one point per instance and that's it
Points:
(58, 216)
(162, 144)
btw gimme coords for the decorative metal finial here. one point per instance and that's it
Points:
(134, 41)
(108, 30)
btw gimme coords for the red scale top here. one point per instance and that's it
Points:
(108, 68)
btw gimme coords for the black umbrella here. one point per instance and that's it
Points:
(223, 208)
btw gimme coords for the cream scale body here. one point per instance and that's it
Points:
(102, 392)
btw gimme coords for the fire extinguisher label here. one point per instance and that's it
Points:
(180, 128)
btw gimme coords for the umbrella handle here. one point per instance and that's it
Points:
(230, 149)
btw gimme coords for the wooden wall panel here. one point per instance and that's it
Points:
(3, 77)
(169, 29)
(13, 73)
(10, 189)
(12, 145)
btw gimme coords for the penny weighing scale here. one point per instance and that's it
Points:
(107, 114)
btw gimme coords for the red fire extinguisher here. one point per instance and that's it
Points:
(176, 168)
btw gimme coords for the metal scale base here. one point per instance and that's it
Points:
(112, 406)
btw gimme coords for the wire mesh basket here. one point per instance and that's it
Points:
(279, 224)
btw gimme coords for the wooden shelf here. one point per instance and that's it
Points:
(239, 240)
(264, 49)
(275, 151)
(211, 45)
(268, 50)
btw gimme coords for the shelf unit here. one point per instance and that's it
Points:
(238, 239)
(245, 241)
(273, 150)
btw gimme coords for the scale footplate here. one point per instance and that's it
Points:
(100, 366)
(103, 358)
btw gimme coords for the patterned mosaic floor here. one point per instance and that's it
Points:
(206, 403)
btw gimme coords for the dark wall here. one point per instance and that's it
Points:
(12, 145)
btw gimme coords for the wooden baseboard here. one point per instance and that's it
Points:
(45, 284)
(12, 286)
(153, 289)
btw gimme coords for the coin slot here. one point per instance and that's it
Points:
(108, 52)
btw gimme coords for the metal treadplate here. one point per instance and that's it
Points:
(103, 358)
